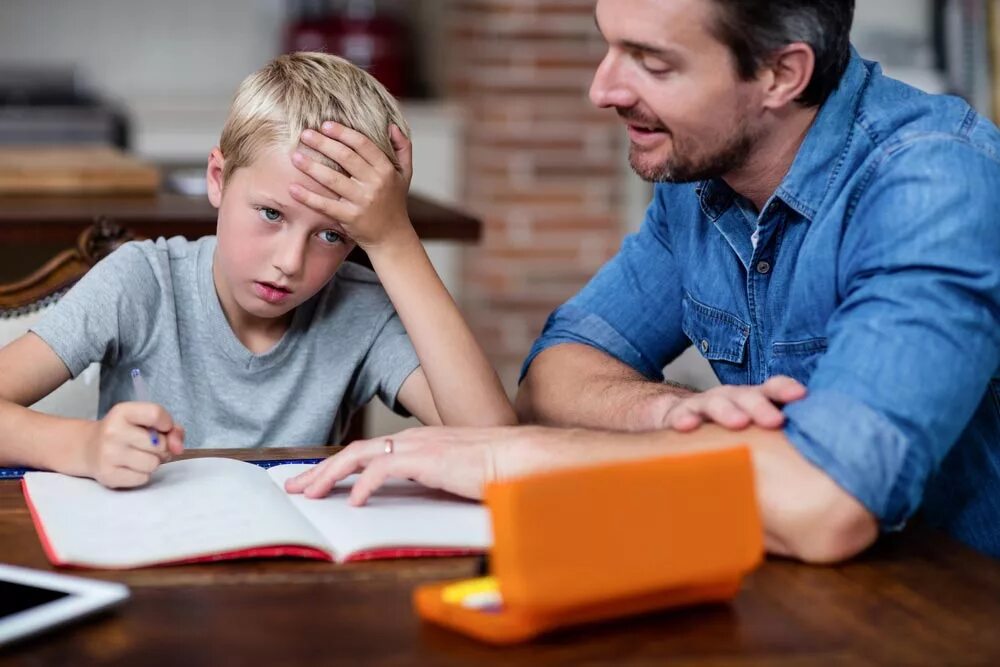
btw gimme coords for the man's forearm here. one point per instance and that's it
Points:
(573, 385)
(806, 515)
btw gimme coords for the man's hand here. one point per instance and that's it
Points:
(460, 460)
(372, 192)
(119, 453)
(733, 407)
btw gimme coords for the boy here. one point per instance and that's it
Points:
(260, 335)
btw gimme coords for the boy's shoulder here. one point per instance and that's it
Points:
(150, 269)
(356, 274)
(157, 251)
(354, 295)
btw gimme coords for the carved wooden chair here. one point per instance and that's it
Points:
(52, 280)
(24, 301)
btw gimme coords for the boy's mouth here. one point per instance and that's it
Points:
(270, 292)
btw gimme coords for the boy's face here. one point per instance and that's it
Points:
(273, 253)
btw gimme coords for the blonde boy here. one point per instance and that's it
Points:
(261, 335)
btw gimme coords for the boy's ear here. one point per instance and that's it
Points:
(213, 176)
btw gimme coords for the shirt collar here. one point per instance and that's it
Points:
(818, 159)
(821, 154)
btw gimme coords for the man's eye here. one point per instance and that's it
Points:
(269, 214)
(330, 236)
(652, 64)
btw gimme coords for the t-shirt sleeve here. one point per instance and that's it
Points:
(107, 315)
(389, 361)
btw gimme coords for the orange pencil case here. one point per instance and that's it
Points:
(588, 544)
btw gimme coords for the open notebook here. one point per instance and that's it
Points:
(213, 509)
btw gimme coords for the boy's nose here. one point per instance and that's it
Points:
(290, 255)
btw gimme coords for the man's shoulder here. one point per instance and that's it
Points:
(894, 116)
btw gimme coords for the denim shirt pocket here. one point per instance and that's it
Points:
(796, 359)
(718, 335)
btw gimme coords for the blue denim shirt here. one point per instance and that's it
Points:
(875, 281)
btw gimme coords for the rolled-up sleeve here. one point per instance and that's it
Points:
(916, 338)
(631, 309)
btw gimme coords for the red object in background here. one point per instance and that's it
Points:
(374, 40)
(360, 31)
(308, 29)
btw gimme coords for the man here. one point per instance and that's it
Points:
(825, 236)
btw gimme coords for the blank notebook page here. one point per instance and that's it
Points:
(189, 508)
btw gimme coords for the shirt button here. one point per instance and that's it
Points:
(703, 345)
(763, 267)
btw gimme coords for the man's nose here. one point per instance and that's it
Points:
(609, 87)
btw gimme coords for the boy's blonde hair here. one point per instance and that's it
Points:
(297, 91)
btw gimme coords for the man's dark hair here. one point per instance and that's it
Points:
(754, 29)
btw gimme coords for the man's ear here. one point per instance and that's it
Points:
(213, 176)
(788, 73)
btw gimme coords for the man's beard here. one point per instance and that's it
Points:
(685, 165)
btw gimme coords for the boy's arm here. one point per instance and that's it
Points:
(115, 450)
(454, 372)
(29, 371)
(455, 385)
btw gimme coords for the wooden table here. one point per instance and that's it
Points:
(916, 599)
(61, 219)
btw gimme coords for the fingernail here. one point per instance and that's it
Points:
(328, 126)
(295, 189)
(298, 157)
(308, 135)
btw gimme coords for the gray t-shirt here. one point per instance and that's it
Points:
(152, 305)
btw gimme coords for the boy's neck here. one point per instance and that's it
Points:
(257, 334)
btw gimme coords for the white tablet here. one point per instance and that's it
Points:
(32, 601)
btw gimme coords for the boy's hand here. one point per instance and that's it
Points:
(119, 452)
(372, 191)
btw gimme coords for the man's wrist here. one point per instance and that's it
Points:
(650, 413)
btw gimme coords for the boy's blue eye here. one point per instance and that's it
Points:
(269, 214)
(330, 236)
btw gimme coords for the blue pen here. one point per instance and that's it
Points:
(142, 394)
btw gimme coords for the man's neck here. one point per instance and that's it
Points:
(772, 157)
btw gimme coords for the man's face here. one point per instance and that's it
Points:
(273, 252)
(689, 115)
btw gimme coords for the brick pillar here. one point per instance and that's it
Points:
(544, 168)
